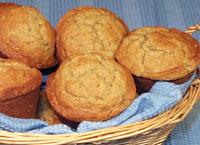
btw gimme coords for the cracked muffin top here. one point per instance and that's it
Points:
(87, 29)
(17, 78)
(159, 53)
(90, 87)
(26, 35)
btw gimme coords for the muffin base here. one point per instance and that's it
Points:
(24, 106)
(144, 85)
(49, 115)
(2, 55)
(70, 123)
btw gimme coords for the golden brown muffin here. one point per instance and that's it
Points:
(19, 89)
(158, 53)
(90, 87)
(87, 29)
(26, 35)
(47, 114)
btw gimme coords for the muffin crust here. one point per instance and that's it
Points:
(17, 78)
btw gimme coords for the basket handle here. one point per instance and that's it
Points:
(190, 30)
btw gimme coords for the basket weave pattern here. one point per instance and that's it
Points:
(147, 132)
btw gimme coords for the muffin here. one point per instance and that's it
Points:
(45, 112)
(19, 89)
(90, 87)
(159, 54)
(26, 35)
(87, 29)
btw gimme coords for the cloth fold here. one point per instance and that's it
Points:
(162, 97)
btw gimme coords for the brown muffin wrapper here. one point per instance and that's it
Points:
(144, 85)
(70, 123)
(24, 106)
(2, 55)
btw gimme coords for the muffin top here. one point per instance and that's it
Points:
(7, 6)
(17, 78)
(159, 53)
(26, 35)
(90, 87)
(87, 29)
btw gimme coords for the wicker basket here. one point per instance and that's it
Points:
(147, 132)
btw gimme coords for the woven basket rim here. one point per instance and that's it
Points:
(172, 116)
